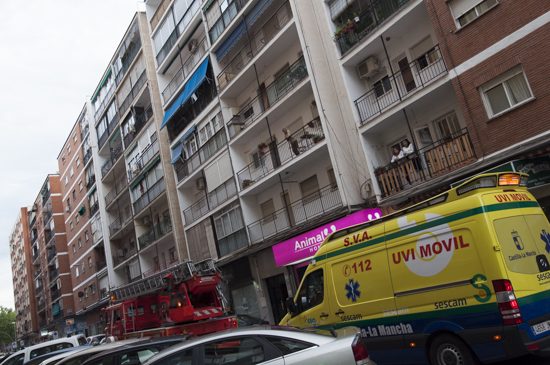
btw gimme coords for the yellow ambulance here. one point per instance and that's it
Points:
(461, 278)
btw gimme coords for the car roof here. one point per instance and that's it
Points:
(64, 352)
(170, 340)
(100, 348)
(279, 331)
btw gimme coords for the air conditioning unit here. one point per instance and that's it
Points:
(368, 68)
(201, 183)
(192, 46)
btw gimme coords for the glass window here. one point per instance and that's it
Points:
(382, 86)
(239, 350)
(506, 92)
(287, 345)
(184, 357)
(473, 13)
(312, 291)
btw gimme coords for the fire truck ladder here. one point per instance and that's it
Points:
(180, 272)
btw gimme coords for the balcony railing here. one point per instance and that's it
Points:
(90, 181)
(116, 152)
(120, 186)
(442, 157)
(123, 255)
(351, 33)
(53, 275)
(118, 224)
(100, 266)
(156, 232)
(139, 121)
(258, 40)
(136, 165)
(207, 150)
(97, 235)
(391, 90)
(178, 30)
(133, 93)
(225, 18)
(253, 110)
(265, 162)
(212, 200)
(107, 132)
(94, 208)
(159, 12)
(299, 212)
(51, 254)
(153, 192)
(55, 294)
(87, 156)
(129, 57)
(185, 70)
(233, 242)
(101, 108)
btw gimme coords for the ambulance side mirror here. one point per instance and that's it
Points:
(290, 306)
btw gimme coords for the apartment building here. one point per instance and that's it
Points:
(84, 231)
(26, 320)
(50, 260)
(264, 156)
(137, 198)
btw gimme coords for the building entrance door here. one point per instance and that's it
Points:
(276, 288)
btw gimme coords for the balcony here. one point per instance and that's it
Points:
(298, 213)
(87, 156)
(138, 163)
(155, 233)
(207, 150)
(212, 200)
(159, 12)
(275, 156)
(129, 55)
(118, 224)
(101, 108)
(136, 88)
(116, 152)
(53, 274)
(184, 71)
(55, 294)
(225, 19)
(123, 255)
(394, 88)
(261, 37)
(140, 119)
(150, 195)
(274, 92)
(100, 265)
(46, 216)
(111, 126)
(359, 26)
(94, 208)
(120, 186)
(440, 158)
(90, 181)
(177, 32)
(233, 242)
(51, 254)
(48, 235)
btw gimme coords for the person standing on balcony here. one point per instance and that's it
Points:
(406, 147)
(397, 153)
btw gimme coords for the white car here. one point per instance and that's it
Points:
(29, 353)
(267, 345)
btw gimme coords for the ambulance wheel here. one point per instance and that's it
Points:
(450, 350)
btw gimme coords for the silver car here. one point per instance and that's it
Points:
(266, 345)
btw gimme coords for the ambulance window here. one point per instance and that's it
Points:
(522, 243)
(311, 292)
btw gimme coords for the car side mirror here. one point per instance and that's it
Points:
(290, 306)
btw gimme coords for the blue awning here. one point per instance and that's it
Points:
(260, 7)
(190, 87)
(231, 41)
(176, 152)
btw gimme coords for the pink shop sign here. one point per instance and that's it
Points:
(306, 245)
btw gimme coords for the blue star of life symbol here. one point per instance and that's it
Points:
(545, 236)
(352, 289)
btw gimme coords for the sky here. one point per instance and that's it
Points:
(52, 56)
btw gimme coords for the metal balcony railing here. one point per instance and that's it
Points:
(266, 32)
(129, 57)
(136, 164)
(184, 71)
(119, 223)
(90, 181)
(282, 86)
(277, 155)
(394, 88)
(97, 235)
(159, 12)
(53, 274)
(120, 186)
(139, 121)
(299, 212)
(101, 108)
(178, 30)
(359, 26)
(156, 232)
(100, 266)
(111, 126)
(233, 242)
(94, 208)
(51, 254)
(441, 157)
(46, 216)
(142, 79)
(225, 18)
(45, 196)
(87, 156)
(116, 153)
(207, 150)
(123, 255)
(150, 195)
(211, 201)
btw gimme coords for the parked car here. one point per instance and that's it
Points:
(276, 345)
(57, 354)
(135, 353)
(79, 357)
(95, 340)
(29, 353)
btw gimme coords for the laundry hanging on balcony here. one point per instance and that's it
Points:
(190, 87)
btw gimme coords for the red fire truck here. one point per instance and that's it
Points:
(184, 299)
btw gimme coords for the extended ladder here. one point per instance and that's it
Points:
(181, 272)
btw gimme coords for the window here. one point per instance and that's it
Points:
(310, 189)
(506, 92)
(77, 271)
(66, 179)
(80, 185)
(71, 225)
(72, 171)
(77, 161)
(287, 345)
(465, 11)
(77, 219)
(79, 242)
(236, 350)
(268, 210)
(382, 86)
(86, 235)
(90, 262)
(447, 125)
(228, 222)
(311, 291)
(184, 357)
(74, 248)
